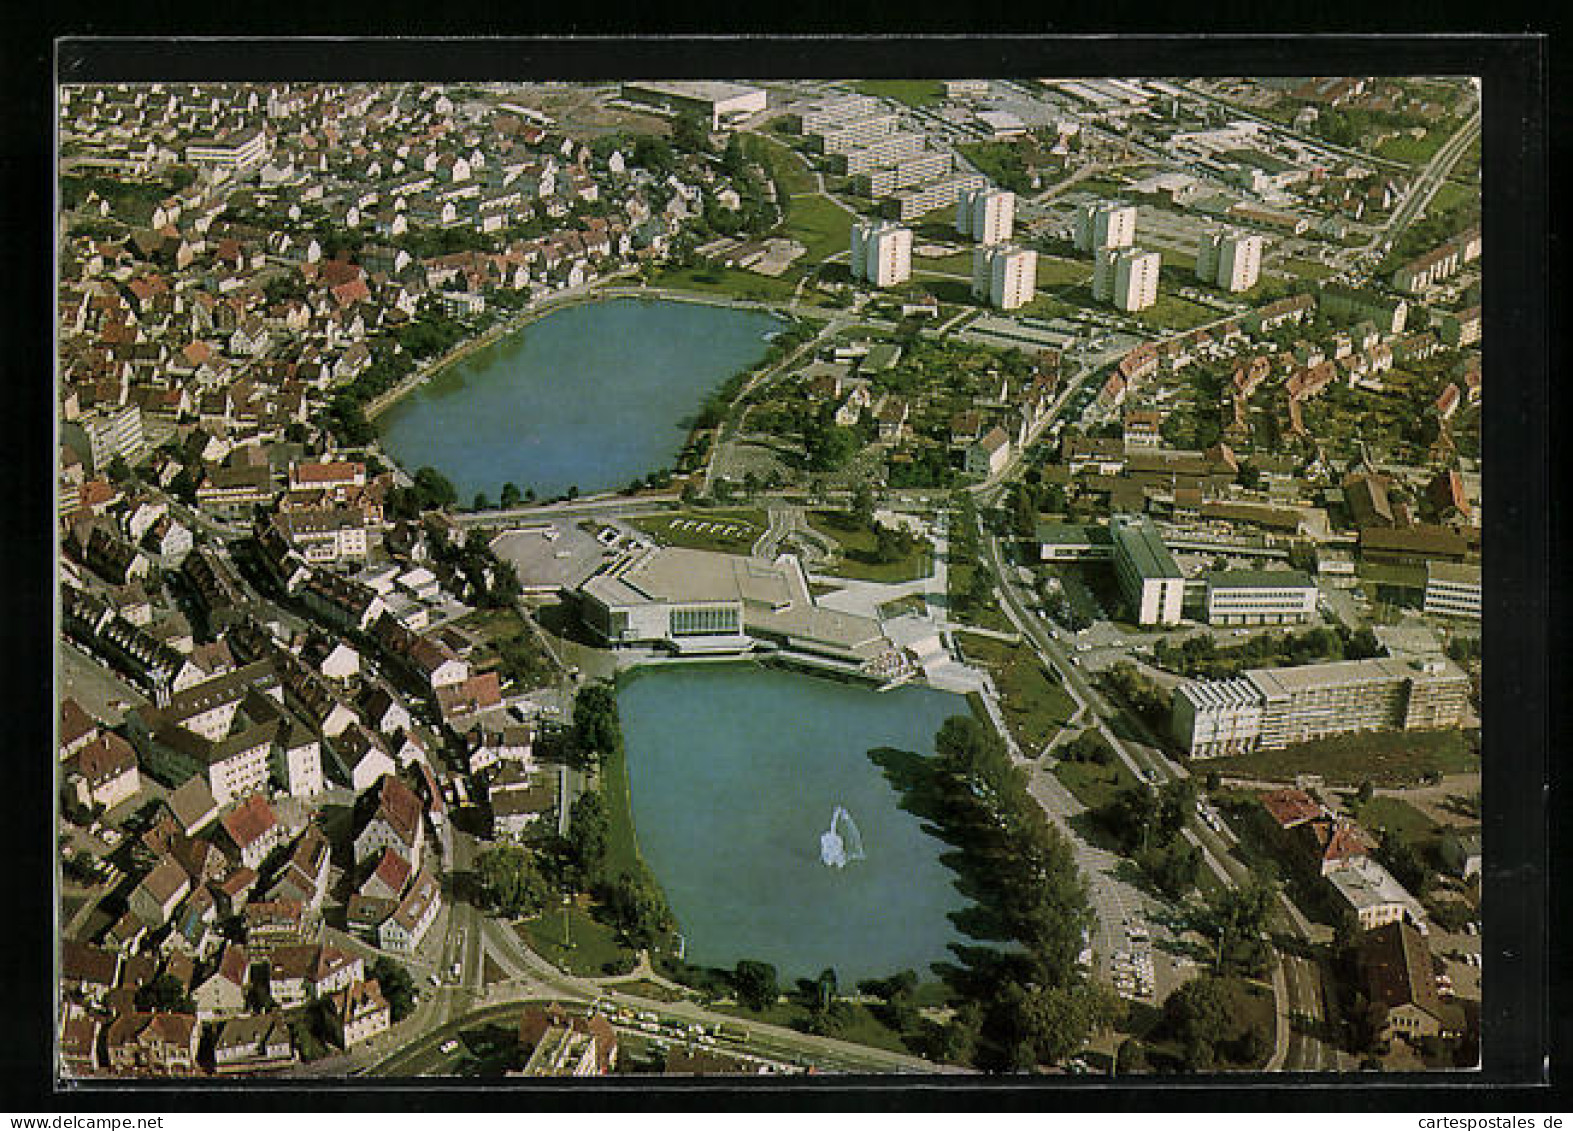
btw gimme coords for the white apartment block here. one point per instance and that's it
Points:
(912, 170)
(881, 253)
(235, 151)
(937, 194)
(1260, 597)
(107, 433)
(1127, 277)
(1149, 578)
(1231, 260)
(299, 755)
(1101, 225)
(886, 151)
(1453, 590)
(1272, 708)
(986, 214)
(849, 136)
(1004, 276)
(835, 111)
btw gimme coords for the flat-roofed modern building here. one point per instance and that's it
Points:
(913, 170)
(814, 117)
(1452, 590)
(881, 253)
(696, 602)
(1105, 224)
(1270, 708)
(1127, 277)
(1260, 597)
(245, 149)
(934, 195)
(1149, 578)
(723, 102)
(1230, 259)
(1074, 542)
(885, 151)
(986, 214)
(1376, 898)
(845, 137)
(1004, 276)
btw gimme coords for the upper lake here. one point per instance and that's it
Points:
(593, 396)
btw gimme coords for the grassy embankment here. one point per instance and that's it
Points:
(1388, 759)
(1035, 706)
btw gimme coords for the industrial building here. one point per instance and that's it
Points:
(1149, 578)
(1271, 708)
(1004, 276)
(1127, 277)
(1102, 224)
(724, 102)
(1260, 597)
(881, 253)
(1230, 260)
(986, 214)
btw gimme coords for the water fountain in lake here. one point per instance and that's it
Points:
(841, 843)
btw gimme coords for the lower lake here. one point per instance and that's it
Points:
(593, 397)
(735, 772)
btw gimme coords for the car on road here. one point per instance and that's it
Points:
(449, 1046)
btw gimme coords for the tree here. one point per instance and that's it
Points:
(597, 731)
(397, 986)
(755, 984)
(1366, 791)
(510, 496)
(861, 512)
(164, 994)
(481, 502)
(588, 827)
(509, 880)
(637, 910)
(691, 132)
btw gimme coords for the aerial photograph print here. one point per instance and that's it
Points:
(768, 577)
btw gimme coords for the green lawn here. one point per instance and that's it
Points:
(591, 945)
(622, 843)
(1386, 758)
(1056, 272)
(655, 991)
(787, 166)
(1036, 707)
(858, 561)
(730, 281)
(909, 92)
(958, 264)
(856, 1023)
(1410, 150)
(1171, 312)
(1401, 817)
(819, 224)
(731, 532)
(1307, 268)
(958, 578)
(1095, 786)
